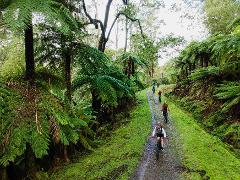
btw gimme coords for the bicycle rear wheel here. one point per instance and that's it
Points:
(159, 148)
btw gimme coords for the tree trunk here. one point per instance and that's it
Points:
(29, 55)
(103, 39)
(65, 154)
(67, 56)
(126, 35)
(96, 103)
(102, 43)
(125, 67)
(30, 164)
(129, 67)
(68, 74)
(3, 173)
(202, 62)
(206, 61)
(116, 38)
(133, 68)
(194, 65)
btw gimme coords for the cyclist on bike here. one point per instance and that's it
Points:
(165, 110)
(159, 95)
(153, 88)
(160, 133)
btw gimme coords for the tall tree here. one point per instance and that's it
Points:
(104, 24)
(29, 52)
(23, 22)
(104, 37)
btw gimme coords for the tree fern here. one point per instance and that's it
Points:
(230, 92)
(220, 51)
(66, 126)
(205, 72)
(108, 88)
(227, 49)
(18, 14)
(96, 70)
(137, 60)
(51, 120)
(17, 129)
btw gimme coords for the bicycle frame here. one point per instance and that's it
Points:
(159, 146)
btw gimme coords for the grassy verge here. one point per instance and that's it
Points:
(119, 155)
(204, 155)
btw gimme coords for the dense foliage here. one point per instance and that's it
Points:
(61, 87)
(222, 16)
(62, 92)
(122, 149)
(207, 75)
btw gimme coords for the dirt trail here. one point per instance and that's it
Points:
(169, 164)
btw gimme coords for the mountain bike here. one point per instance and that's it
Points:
(158, 146)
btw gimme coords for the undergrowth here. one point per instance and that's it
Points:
(118, 157)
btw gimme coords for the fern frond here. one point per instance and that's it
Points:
(230, 92)
(211, 71)
(229, 104)
(18, 15)
(85, 142)
(81, 80)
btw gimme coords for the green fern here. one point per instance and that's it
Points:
(53, 10)
(230, 92)
(67, 126)
(52, 121)
(205, 72)
(97, 73)
(17, 127)
(108, 88)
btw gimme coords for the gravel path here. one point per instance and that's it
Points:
(168, 167)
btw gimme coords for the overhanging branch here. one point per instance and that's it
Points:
(92, 20)
(134, 20)
(128, 17)
(109, 32)
(125, 2)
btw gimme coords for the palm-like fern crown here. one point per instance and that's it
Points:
(222, 51)
(50, 45)
(130, 55)
(97, 71)
(18, 14)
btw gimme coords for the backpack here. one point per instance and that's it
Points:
(159, 132)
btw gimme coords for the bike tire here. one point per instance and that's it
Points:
(159, 148)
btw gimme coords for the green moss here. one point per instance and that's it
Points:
(192, 176)
(203, 152)
(233, 134)
(119, 155)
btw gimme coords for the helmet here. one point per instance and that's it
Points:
(159, 123)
